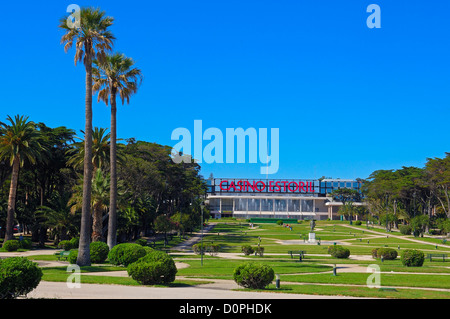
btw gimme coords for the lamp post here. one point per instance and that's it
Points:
(202, 250)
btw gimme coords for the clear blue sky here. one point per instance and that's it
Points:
(347, 99)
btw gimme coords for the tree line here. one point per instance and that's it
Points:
(414, 196)
(41, 185)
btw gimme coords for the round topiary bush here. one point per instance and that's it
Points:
(405, 229)
(126, 253)
(25, 244)
(247, 250)
(141, 241)
(387, 253)
(154, 268)
(65, 245)
(99, 252)
(11, 245)
(413, 258)
(75, 242)
(252, 275)
(18, 276)
(72, 258)
(338, 251)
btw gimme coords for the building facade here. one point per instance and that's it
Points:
(273, 198)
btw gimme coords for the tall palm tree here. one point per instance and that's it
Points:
(19, 141)
(115, 75)
(100, 150)
(92, 40)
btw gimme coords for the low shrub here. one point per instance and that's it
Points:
(25, 244)
(75, 242)
(252, 275)
(247, 250)
(126, 253)
(141, 241)
(66, 245)
(337, 251)
(18, 276)
(405, 229)
(154, 268)
(212, 249)
(375, 252)
(279, 222)
(99, 252)
(72, 258)
(387, 253)
(358, 223)
(11, 245)
(412, 258)
(259, 251)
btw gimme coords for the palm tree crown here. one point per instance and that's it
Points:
(93, 35)
(116, 74)
(19, 140)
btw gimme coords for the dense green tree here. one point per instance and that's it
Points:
(19, 141)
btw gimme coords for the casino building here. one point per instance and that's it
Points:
(275, 198)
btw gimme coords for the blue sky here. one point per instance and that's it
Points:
(348, 100)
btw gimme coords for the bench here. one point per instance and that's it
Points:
(300, 253)
(430, 256)
(62, 255)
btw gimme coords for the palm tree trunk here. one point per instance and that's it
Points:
(12, 200)
(97, 225)
(83, 258)
(112, 221)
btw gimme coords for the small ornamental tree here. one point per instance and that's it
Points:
(18, 276)
(253, 275)
(412, 258)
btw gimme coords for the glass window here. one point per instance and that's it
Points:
(293, 205)
(240, 204)
(214, 204)
(267, 205)
(253, 205)
(307, 205)
(227, 204)
(280, 205)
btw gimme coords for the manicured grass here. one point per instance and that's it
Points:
(394, 279)
(361, 292)
(60, 274)
(223, 268)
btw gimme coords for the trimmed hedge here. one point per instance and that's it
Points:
(337, 251)
(11, 245)
(405, 229)
(387, 253)
(253, 275)
(413, 258)
(98, 252)
(247, 250)
(18, 276)
(126, 253)
(154, 268)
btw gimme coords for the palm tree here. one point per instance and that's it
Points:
(19, 141)
(92, 39)
(115, 75)
(99, 201)
(100, 150)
